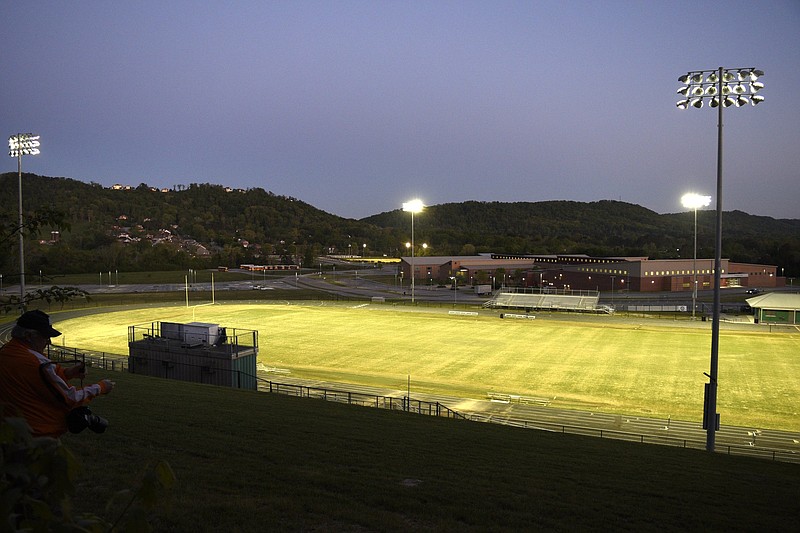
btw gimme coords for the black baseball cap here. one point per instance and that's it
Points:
(38, 321)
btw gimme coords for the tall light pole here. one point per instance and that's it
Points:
(19, 145)
(724, 88)
(413, 206)
(695, 201)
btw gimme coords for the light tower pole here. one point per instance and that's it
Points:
(413, 206)
(723, 87)
(694, 202)
(19, 145)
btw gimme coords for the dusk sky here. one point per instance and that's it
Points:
(358, 106)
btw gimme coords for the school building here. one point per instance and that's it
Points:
(584, 272)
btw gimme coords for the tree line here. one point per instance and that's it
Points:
(205, 225)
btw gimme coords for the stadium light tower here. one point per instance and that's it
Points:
(722, 87)
(413, 206)
(19, 145)
(694, 201)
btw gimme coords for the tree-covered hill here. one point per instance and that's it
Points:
(605, 228)
(204, 225)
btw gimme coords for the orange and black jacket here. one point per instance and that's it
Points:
(35, 388)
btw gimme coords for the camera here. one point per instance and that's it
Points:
(81, 418)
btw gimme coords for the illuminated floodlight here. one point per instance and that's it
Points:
(756, 99)
(413, 206)
(692, 200)
(23, 144)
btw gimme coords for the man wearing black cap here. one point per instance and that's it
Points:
(35, 388)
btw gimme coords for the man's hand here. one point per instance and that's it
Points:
(105, 386)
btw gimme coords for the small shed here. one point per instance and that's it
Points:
(196, 351)
(776, 308)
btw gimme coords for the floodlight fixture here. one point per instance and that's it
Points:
(23, 144)
(724, 88)
(19, 145)
(692, 200)
(413, 206)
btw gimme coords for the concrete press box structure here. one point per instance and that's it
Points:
(197, 351)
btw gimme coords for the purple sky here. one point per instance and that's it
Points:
(358, 106)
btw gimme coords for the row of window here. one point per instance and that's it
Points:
(651, 273)
(605, 271)
(678, 272)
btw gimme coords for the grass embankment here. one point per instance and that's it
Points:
(248, 461)
(604, 364)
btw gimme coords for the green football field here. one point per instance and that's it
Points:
(647, 367)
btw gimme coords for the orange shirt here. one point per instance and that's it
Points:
(23, 391)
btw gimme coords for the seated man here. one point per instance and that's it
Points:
(35, 388)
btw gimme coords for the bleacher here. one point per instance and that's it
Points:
(566, 300)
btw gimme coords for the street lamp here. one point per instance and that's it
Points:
(723, 88)
(19, 145)
(695, 201)
(413, 206)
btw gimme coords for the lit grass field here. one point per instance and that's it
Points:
(605, 364)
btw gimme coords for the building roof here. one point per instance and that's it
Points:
(775, 300)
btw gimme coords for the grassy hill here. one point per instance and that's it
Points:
(248, 461)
